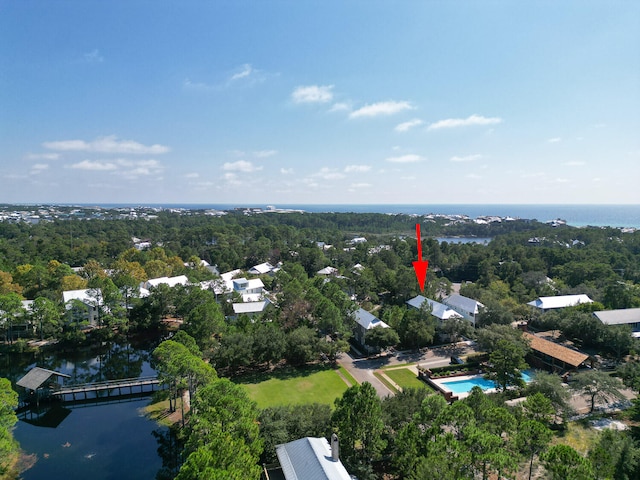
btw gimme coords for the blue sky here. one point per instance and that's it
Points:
(284, 102)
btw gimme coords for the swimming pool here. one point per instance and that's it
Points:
(464, 386)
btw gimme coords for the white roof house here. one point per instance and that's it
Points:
(559, 301)
(250, 308)
(242, 285)
(227, 276)
(90, 297)
(262, 269)
(438, 309)
(365, 321)
(327, 271)
(171, 281)
(465, 306)
(310, 458)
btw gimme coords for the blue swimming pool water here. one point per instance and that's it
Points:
(464, 386)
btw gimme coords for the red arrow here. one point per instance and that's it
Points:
(421, 265)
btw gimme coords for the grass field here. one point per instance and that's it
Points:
(406, 378)
(295, 386)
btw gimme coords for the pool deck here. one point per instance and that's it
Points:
(441, 383)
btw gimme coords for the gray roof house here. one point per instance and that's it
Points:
(311, 458)
(624, 316)
(438, 310)
(467, 307)
(364, 322)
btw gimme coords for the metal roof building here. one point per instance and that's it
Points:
(311, 458)
(559, 301)
(438, 309)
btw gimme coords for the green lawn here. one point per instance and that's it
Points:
(406, 378)
(295, 386)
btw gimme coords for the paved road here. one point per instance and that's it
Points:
(362, 369)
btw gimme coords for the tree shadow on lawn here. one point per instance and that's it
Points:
(283, 373)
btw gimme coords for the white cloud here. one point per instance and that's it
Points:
(381, 108)
(109, 144)
(405, 126)
(93, 165)
(191, 175)
(574, 163)
(244, 73)
(286, 171)
(360, 185)
(130, 169)
(265, 153)
(188, 83)
(474, 176)
(241, 166)
(93, 57)
(38, 168)
(466, 158)
(136, 168)
(313, 94)
(43, 156)
(464, 122)
(357, 168)
(409, 158)
(554, 140)
(329, 174)
(231, 179)
(340, 107)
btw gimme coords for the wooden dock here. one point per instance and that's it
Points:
(108, 389)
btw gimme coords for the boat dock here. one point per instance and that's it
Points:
(108, 389)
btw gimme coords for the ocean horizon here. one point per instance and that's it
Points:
(578, 215)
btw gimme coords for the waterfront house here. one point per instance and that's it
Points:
(83, 306)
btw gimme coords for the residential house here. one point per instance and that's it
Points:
(83, 305)
(327, 271)
(309, 458)
(365, 321)
(624, 316)
(251, 290)
(545, 304)
(439, 310)
(170, 281)
(263, 269)
(251, 308)
(467, 307)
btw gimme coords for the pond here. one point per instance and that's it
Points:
(113, 440)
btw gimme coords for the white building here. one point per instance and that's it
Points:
(559, 301)
(467, 307)
(439, 310)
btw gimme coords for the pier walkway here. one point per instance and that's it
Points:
(108, 389)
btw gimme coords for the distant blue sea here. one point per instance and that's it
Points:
(574, 215)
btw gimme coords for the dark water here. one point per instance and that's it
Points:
(113, 441)
(99, 441)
